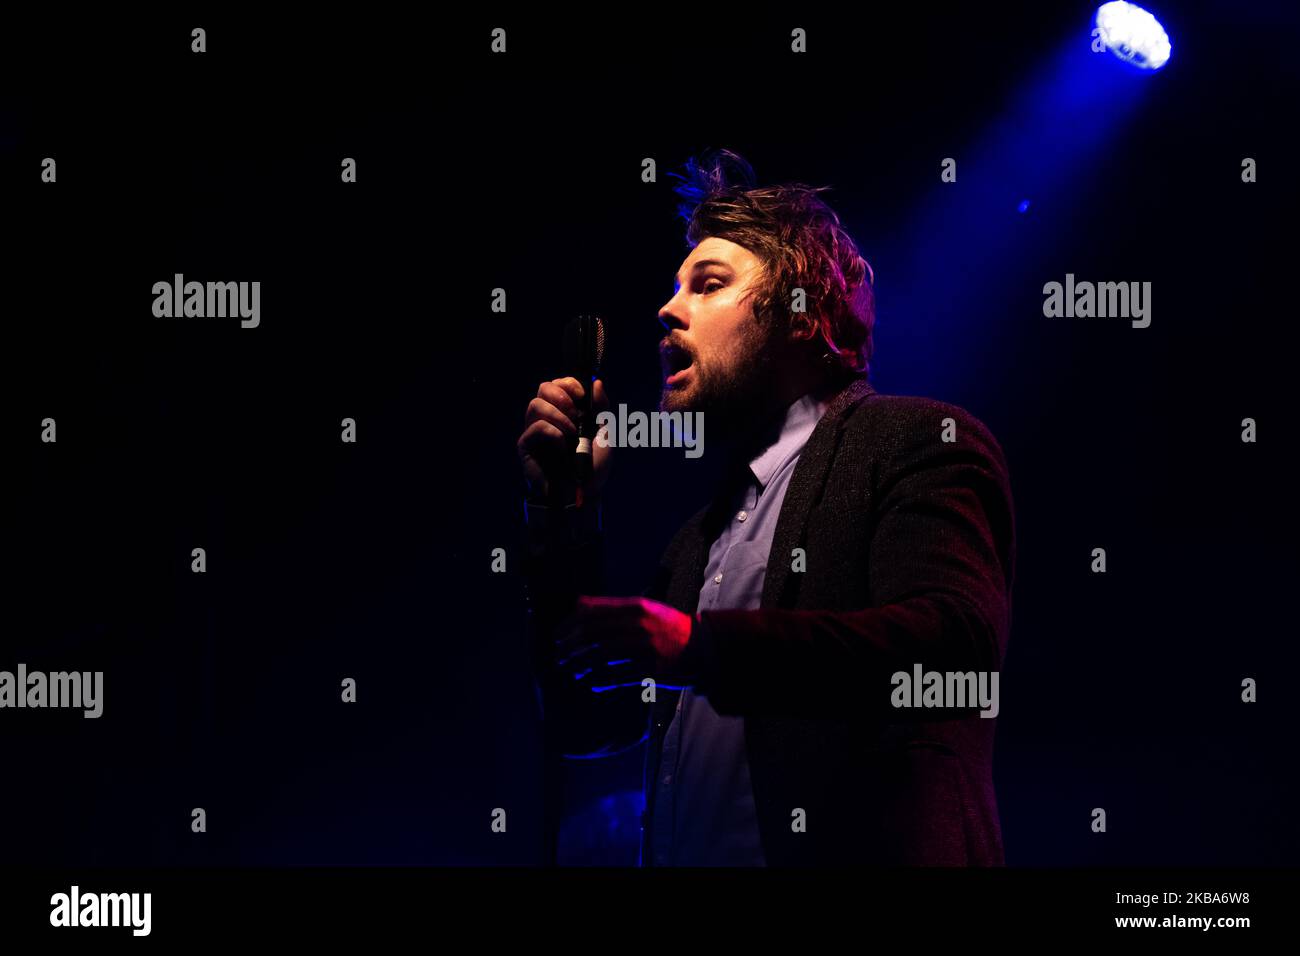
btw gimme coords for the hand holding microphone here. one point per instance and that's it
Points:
(561, 459)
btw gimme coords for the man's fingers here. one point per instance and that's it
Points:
(599, 620)
(539, 409)
(592, 604)
(574, 389)
(599, 625)
(570, 385)
(558, 397)
(541, 439)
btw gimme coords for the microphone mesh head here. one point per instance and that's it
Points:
(584, 345)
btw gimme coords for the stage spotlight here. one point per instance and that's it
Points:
(1133, 35)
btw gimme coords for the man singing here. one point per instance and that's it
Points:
(856, 536)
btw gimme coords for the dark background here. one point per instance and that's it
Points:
(372, 560)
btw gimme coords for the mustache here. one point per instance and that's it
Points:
(670, 344)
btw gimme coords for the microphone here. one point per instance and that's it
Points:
(584, 350)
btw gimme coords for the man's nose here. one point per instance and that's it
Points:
(670, 320)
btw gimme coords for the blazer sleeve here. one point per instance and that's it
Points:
(941, 560)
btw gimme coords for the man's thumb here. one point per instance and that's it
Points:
(599, 400)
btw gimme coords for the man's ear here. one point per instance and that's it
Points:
(803, 329)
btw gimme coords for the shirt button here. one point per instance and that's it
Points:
(668, 778)
(742, 516)
(717, 579)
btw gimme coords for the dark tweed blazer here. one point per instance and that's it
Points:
(909, 543)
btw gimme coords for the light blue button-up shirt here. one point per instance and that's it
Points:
(704, 805)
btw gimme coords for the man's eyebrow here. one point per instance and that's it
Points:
(700, 264)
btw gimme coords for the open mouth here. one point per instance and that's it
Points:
(676, 363)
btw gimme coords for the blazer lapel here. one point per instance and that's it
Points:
(805, 489)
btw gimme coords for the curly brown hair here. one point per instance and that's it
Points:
(802, 245)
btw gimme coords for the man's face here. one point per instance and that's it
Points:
(717, 356)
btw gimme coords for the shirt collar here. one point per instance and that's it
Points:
(791, 432)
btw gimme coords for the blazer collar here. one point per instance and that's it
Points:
(805, 487)
(806, 484)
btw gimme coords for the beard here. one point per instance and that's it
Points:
(732, 390)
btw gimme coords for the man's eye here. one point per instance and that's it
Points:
(712, 285)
